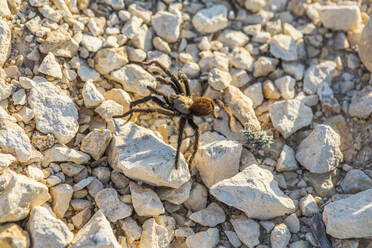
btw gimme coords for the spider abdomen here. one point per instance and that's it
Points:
(202, 106)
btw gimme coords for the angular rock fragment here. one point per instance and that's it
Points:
(61, 194)
(210, 216)
(96, 142)
(60, 153)
(13, 236)
(340, 17)
(210, 20)
(167, 25)
(145, 201)
(205, 239)
(110, 59)
(247, 230)
(109, 203)
(5, 41)
(50, 66)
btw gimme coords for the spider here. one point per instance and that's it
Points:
(178, 104)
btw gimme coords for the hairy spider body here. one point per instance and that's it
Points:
(179, 104)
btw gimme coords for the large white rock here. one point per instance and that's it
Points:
(255, 192)
(20, 196)
(134, 79)
(55, 112)
(5, 41)
(141, 155)
(61, 153)
(48, 231)
(218, 160)
(210, 216)
(340, 17)
(96, 233)
(288, 116)
(109, 203)
(210, 20)
(167, 25)
(14, 140)
(247, 230)
(320, 151)
(350, 217)
(145, 201)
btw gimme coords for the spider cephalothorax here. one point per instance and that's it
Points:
(179, 104)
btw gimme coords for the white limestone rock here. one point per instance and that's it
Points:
(210, 20)
(247, 230)
(4, 9)
(350, 217)
(340, 17)
(46, 230)
(131, 229)
(176, 196)
(167, 25)
(61, 194)
(20, 196)
(218, 160)
(87, 73)
(108, 109)
(205, 239)
(14, 140)
(355, 181)
(96, 142)
(361, 103)
(91, 43)
(255, 192)
(141, 155)
(283, 47)
(198, 197)
(55, 112)
(109, 203)
(280, 236)
(50, 66)
(317, 74)
(240, 58)
(5, 161)
(288, 116)
(96, 233)
(134, 79)
(5, 41)
(12, 235)
(320, 151)
(145, 201)
(92, 97)
(308, 206)
(287, 160)
(233, 39)
(119, 96)
(219, 79)
(286, 85)
(61, 153)
(154, 235)
(110, 59)
(210, 216)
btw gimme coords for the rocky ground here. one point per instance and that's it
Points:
(71, 176)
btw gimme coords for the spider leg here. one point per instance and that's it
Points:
(228, 112)
(149, 98)
(197, 136)
(179, 142)
(165, 81)
(183, 78)
(155, 91)
(168, 72)
(150, 110)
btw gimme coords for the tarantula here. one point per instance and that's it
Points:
(179, 104)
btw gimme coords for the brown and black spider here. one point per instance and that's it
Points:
(179, 104)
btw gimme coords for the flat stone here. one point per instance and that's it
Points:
(280, 236)
(115, 4)
(60, 43)
(5, 40)
(254, 92)
(218, 160)
(50, 66)
(287, 160)
(210, 20)
(317, 74)
(109, 203)
(134, 79)
(155, 166)
(96, 142)
(92, 97)
(349, 218)
(288, 116)
(87, 73)
(255, 192)
(283, 47)
(13, 236)
(219, 79)
(61, 194)
(110, 59)
(340, 17)
(205, 239)
(198, 197)
(320, 151)
(167, 25)
(108, 109)
(247, 230)
(119, 96)
(361, 103)
(46, 230)
(154, 235)
(55, 112)
(96, 233)
(232, 38)
(233, 239)
(91, 43)
(293, 223)
(61, 153)
(210, 216)
(81, 218)
(176, 196)
(145, 201)
(355, 181)
(131, 229)
(14, 140)
(329, 102)
(241, 59)
(50, 13)
(20, 196)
